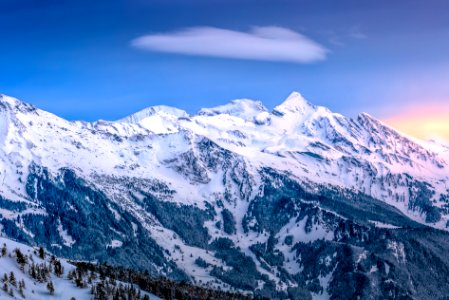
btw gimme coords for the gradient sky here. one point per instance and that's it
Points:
(106, 59)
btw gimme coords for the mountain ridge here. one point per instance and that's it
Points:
(304, 128)
(248, 191)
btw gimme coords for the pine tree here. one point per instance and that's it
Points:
(4, 250)
(32, 271)
(21, 290)
(21, 259)
(12, 279)
(50, 288)
(58, 268)
(41, 252)
(116, 295)
(22, 282)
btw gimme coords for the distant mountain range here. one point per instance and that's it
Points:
(293, 203)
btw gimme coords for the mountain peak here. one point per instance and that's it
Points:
(162, 110)
(4, 99)
(368, 120)
(243, 108)
(14, 105)
(295, 103)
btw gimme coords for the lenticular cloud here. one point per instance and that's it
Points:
(261, 43)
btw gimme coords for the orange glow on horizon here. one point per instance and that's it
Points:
(429, 121)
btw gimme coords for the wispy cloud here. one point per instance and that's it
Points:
(261, 43)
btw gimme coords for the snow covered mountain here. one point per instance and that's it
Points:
(236, 196)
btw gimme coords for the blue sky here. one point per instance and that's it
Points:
(79, 59)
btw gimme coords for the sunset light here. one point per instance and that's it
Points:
(424, 122)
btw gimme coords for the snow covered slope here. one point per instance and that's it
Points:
(28, 273)
(184, 184)
(64, 289)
